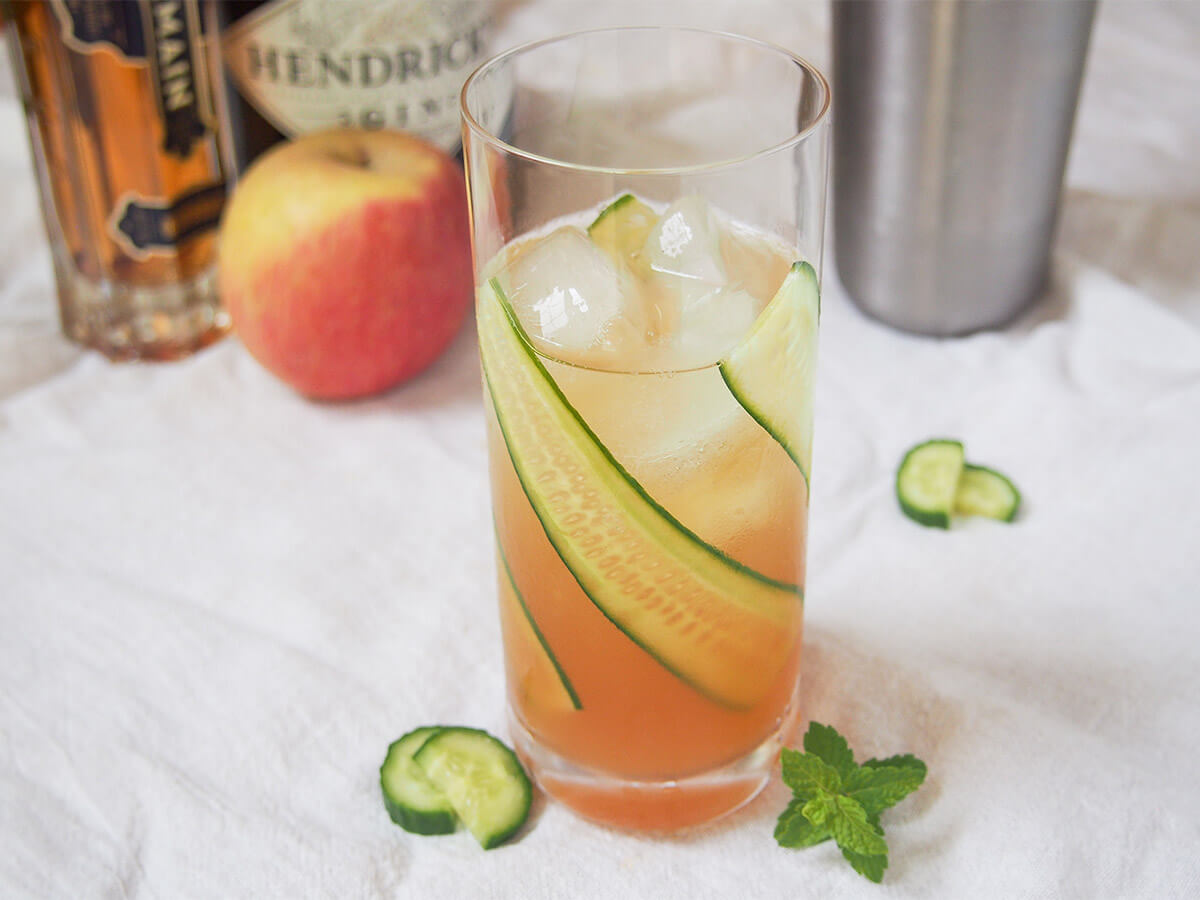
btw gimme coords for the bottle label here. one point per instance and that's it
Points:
(144, 226)
(166, 37)
(312, 64)
(87, 26)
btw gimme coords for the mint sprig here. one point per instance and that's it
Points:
(835, 798)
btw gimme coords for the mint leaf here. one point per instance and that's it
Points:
(806, 774)
(833, 797)
(795, 831)
(870, 867)
(820, 808)
(903, 761)
(880, 787)
(847, 822)
(824, 742)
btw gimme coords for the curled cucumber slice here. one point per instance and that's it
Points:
(546, 684)
(621, 230)
(771, 371)
(719, 626)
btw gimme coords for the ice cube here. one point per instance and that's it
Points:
(710, 326)
(569, 295)
(758, 263)
(703, 314)
(684, 250)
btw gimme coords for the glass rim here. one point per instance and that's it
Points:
(803, 134)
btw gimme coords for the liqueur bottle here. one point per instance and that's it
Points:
(294, 66)
(125, 144)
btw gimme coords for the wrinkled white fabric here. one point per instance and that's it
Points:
(220, 602)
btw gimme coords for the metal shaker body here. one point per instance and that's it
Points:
(951, 130)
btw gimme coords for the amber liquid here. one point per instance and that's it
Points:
(699, 454)
(98, 139)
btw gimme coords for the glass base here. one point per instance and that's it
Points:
(651, 806)
(125, 321)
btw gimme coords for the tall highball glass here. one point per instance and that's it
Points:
(647, 212)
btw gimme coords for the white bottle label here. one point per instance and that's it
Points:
(312, 64)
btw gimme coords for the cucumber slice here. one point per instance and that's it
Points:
(771, 370)
(547, 685)
(482, 779)
(927, 480)
(621, 229)
(411, 800)
(986, 492)
(719, 626)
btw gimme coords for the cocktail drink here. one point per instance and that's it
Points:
(647, 307)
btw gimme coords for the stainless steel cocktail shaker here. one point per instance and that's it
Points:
(952, 123)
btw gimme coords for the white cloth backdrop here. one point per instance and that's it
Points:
(219, 602)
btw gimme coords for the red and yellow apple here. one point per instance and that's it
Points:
(345, 260)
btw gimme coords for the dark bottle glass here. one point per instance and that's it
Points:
(247, 132)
